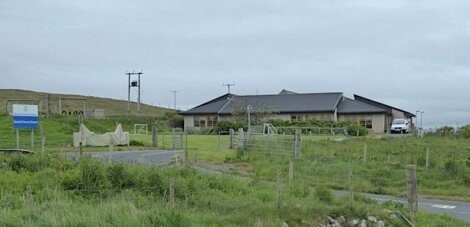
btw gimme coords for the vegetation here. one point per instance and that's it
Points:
(89, 192)
(113, 107)
(352, 128)
(92, 193)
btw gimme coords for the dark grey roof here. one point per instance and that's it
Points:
(350, 106)
(381, 105)
(293, 103)
(287, 92)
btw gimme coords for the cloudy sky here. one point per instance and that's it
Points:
(410, 54)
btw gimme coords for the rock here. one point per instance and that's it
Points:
(353, 222)
(341, 220)
(372, 219)
(284, 224)
(363, 223)
(380, 224)
(332, 221)
(336, 225)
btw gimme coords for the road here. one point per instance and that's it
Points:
(142, 157)
(457, 210)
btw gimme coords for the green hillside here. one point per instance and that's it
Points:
(112, 107)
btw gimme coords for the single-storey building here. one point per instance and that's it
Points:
(288, 105)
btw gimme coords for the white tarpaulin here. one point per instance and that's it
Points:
(89, 138)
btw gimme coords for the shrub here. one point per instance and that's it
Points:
(119, 176)
(324, 194)
(465, 131)
(136, 143)
(451, 166)
(225, 126)
(93, 175)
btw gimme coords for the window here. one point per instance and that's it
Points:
(296, 117)
(211, 121)
(199, 122)
(367, 124)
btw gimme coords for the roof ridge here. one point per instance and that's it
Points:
(318, 93)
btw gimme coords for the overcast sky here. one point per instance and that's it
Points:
(413, 55)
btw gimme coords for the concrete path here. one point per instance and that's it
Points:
(457, 210)
(141, 157)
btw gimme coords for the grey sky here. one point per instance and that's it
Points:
(410, 54)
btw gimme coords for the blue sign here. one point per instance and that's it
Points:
(25, 116)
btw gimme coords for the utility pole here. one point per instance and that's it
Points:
(228, 86)
(174, 98)
(129, 86)
(248, 109)
(422, 119)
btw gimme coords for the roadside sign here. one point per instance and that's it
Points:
(25, 116)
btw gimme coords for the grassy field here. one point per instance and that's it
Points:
(112, 107)
(94, 193)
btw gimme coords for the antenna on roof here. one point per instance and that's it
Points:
(228, 86)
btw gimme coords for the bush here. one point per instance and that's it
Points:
(465, 131)
(451, 166)
(225, 126)
(324, 194)
(136, 143)
(119, 176)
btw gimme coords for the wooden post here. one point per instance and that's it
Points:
(172, 194)
(154, 137)
(232, 133)
(357, 133)
(163, 140)
(32, 138)
(365, 154)
(17, 139)
(331, 131)
(29, 193)
(80, 146)
(411, 186)
(48, 105)
(278, 188)
(243, 139)
(218, 141)
(291, 171)
(351, 189)
(297, 144)
(427, 157)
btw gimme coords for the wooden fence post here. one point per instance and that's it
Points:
(243, 139)
(365, 154)
(351, 189)
(297, 144)
(278, 188)
(291, 170)
(154, 137)
(80, 146)
(232, 133)
(43, 139)
(172, 194)
(30, 203)
(411, 186)
(427, 157)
